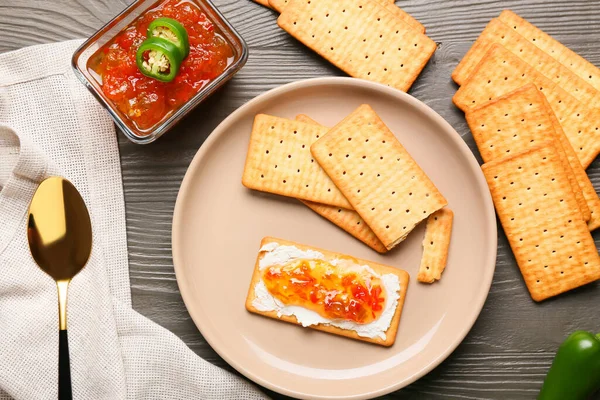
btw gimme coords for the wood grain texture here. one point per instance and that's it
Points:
(509, 350)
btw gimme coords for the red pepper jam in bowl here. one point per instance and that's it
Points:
(147, 93)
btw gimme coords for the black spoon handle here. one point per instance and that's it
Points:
(64, 367)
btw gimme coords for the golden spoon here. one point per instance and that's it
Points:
(59, 232)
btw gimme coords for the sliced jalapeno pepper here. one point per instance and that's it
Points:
(159, 59)
(171, 30)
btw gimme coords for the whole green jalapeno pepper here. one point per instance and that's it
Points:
(575, 371)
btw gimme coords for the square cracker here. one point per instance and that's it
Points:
(579, 65)
(534, 201)
(361, 37)
(348, 220)
(515, 122)
(436, 244)
(376, 174)
(381, 269)
(279, 161)
(501, 72)
(496, 32)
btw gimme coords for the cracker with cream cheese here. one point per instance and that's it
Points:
(278, 252)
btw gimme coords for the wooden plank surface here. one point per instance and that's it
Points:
(509, 350)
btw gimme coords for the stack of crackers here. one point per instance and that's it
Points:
(357, 175)
(533, 108)
(368, 39)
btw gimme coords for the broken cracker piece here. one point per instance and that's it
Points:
(436, 244)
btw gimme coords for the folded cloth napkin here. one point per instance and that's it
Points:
(51, 125)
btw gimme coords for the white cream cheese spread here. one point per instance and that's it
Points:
(280, 255)
(277, 255)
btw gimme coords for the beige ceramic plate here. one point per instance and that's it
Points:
(218, 225)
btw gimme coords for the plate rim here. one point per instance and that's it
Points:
(348, 82)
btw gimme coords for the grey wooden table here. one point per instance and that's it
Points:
(509, 350)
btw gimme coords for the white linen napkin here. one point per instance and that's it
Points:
(51, 125)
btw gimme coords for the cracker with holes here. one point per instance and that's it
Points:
(279, 161)
(579, 65)
(501, 72)
(515, 122)
(376, 174)
(370, 295)
(583, 180)
(361, 37)
(348, 220)
(534, 201)
(436, 244)
(496, 32)
(279, 5)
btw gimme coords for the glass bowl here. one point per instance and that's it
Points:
(93, 82)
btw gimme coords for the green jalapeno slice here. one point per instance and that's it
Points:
(159, 59)
(171, 30)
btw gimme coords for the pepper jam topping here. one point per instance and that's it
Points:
(332, 292)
